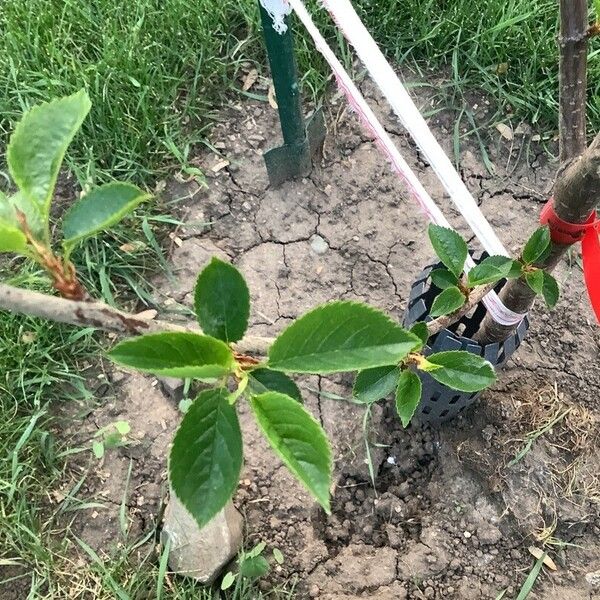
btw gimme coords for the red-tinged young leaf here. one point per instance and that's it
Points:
(298, 439)
(408, 396)
(206, 456)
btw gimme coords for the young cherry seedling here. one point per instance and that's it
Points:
(456, 287)
(207, 452)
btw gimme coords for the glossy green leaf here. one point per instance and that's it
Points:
(450, 247)
(490, 270)
(299, 441)
(222, 301)
(254, 567)
(39, 142)
(341, 336)
(265, 380)
(447, 301)
(442, 278)
(535, 280)
(206, 456)
(372, 385)
(463, 371)
(537, 244)
(550, 290)
(175, 355)
(421, 331)
(99, 209)
(408, 396)
(12, 239)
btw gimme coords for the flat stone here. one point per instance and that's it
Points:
(201, 553)
(593, 580)
(318, 244)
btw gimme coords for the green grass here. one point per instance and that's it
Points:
(156, 71)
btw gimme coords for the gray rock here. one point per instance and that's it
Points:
(593, 580)
(201, 553)
(172, 387)
(318, 244)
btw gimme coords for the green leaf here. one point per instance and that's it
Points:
(100, 209)
(12, 239)
(222, 301)
(371, 385)
(442, 278)
(38, 145)
(8, 213)
(408, 396)
(299, 441)
(535, 280)
(175, 355)
(98, 449)
(463, 371)
(516, 270)
(537, 244)
(490, 270)
(421, 331)
(228, 581)
(450, 247)
(254, 567)
(448, 301)
(278, 556)
(265, 380)
(341, 336)
(206, 456)
(531, 578)
(550, 290)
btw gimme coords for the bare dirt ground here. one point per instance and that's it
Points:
(450, 516)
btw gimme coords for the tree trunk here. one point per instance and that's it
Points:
(573, 77)
(577, 187)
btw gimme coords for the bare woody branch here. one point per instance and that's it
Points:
(107, 318)
(101, 316)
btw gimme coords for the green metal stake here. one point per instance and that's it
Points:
(301, 140)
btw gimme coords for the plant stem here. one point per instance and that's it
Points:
(101, 316)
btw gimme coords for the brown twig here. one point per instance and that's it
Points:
(64, 277)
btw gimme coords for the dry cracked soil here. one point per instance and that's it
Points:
(451, 514)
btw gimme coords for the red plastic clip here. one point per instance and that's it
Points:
(563, 232)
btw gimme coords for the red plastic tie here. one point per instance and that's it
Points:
(563, 232)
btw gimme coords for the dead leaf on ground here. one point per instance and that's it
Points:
(147, 314)
(505, 131)
(250, 79)
(219, 166)
(538, 553)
